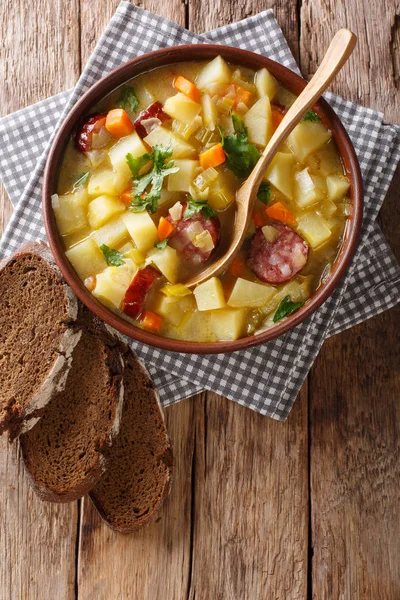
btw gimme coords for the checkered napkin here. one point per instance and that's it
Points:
(268, 378)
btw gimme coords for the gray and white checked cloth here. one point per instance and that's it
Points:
(267, 378)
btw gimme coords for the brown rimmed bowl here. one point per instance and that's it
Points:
(168, 56)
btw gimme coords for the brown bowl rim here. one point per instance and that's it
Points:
(173, 55)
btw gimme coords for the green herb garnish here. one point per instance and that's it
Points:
(146, 190)
(195, 206)
(311, 116)
(264, 192)
(286, 308)
(161, 245)
(127, 99)
(82, 180)
(112, 257)
(241, 155)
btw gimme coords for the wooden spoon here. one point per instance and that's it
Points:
(337, 54)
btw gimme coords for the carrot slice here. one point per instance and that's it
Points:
(213, 157)
(151, 321)
(165, 228)
(118, 123)
(188, 88)
(126, 196)
(279, 212)
(277, 113)
(238, 266)
(258, 218)
(242, 95)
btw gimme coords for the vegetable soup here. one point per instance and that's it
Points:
(146, 200)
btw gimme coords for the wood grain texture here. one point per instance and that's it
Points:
(354, 416)
(37, 540)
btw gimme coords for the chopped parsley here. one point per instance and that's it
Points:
(311, 116)
(127, 99)
(82, 180)
(146, 190)
(241, 155)
(286, 308)
(161, 245)
(112, 257)
(195, 206)
(264, 192)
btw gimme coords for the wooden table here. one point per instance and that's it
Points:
(259, 510)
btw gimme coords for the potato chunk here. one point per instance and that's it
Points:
(86, 258)
(266, 84)
(182, 108)
(258, 121)
(210, 295)
(308, 188)
(216, 71)
(131, 144)
(162, 136)
(166, 261)
(112, 283)
(337, 186)
(314, 228)
(182, 179)
(70, 211)
(111, 234)
(228, 323)
(107, 182)
(249, 294)
(280, 173)
(307, 137)
(142, 229)
(102, 209)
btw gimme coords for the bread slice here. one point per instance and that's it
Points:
(139, 463)
(64, 452)
(38, 313)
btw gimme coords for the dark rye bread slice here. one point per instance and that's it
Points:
(63, 452)
(38, 311)
(139, 463)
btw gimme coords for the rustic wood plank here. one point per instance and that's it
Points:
(354, 414)
(37, 540)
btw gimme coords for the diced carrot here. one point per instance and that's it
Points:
(126, 196)
(118, 123)
(277, 112)
(90, 282)
(188, 88)
(238, 266)
(242, 95)
(258, 218)
(151, 321)
(279, 212)
(165, 228)
(213, 157)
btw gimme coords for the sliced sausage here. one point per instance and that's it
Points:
(83, 138)
(278, 261)
(137, 292)
(180, 239)
(154, 111)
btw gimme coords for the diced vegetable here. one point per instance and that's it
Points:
(70, 211)
(216, 71)
(280, 173)
(307, 137)
(161, 136)
(126, 196)
(213, 157)
(243, 96)
(142, 229)
(165, 228)
(249, 294)
(107, 182)
(176, 211)
(206, 178)
(182, 108)
(337, 186)
(113, 282)
(277, 114)
(112, 233)
(132, 144)
(203, 241)
(173, 309)
(102, 209)
(270, 233)
(187, 87)
(151, 321)
(178, 290)
(279, 212)
(187, 131)
(167, 261)
(314, 228)
(86, 258)
(228, 323)
(118, 123)
(326, 160)
(259, 122)
(308, 188)
(266, 84)
(210, 113)
(181, 180)
(222, 191)
(210, 295)
(137, 256)
(225, 105)
(258, 217)
(136, 295)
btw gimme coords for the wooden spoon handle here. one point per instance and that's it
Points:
(337, 54)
